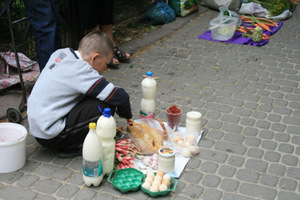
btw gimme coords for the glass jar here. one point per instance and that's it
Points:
(193, 122)
(166, 159)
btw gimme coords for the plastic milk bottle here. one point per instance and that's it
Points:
(106, 130)
(92, 158)
(148, 99)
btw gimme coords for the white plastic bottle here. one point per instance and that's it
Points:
(106, 130)
(92, 158)
(148, 100)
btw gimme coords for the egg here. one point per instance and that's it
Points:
(149, 180)
(154, 188)
(146, 185)
(150, 174)
(194, 150)
(160, 173)
(190, 138)
(186, 153)
(165, 182)
(158, 177)
(156, 182)
(163, 187)
(166, 177)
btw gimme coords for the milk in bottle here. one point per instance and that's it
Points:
(106, 130)
(92, 158)
(148, 100)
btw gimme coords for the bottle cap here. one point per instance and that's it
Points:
(149, 73)
(166, 152)
(92, 125)
(106, 112)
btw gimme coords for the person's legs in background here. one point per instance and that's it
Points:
(44, 18)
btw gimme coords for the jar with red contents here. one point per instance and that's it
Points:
(173, 117)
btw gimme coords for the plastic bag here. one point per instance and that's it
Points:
(224, 25)
(230, 4)
(160, 13)
(257, 10)
(183, 7)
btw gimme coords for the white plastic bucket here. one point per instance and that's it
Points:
(12, 147)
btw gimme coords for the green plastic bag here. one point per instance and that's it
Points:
(183, 7)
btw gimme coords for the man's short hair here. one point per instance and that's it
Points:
(96, 42)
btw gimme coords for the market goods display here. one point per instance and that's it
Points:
(146, 139)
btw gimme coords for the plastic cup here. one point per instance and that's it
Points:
(173, 120)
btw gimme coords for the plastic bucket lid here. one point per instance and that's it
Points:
(12, 147)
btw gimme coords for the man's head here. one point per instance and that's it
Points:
(97, 49)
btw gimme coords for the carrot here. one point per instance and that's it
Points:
(242, 30)
(265, 37)
(262, 25)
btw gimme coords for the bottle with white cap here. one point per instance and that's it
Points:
(106, 130)
(148, 100)
(92, 158)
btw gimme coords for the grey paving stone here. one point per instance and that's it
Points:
(247, 175)
(67, 191)
(270, 145)
(265, 134)
(233, 196)
(193, 191)
(274, 117)
(282, 137)
(10, 178)
(27, 180)
(212, 194)
(209, 167)
(230, 147)
(216, 156)
(234, 137)
(252, 141)
(290, 160)
(193, 163)
(12, 192)
(255, 153)
(287, 148)
(254, 190)
(206, 143)
(227, 171)
(236, 161)
(296, 140)
(230, 118)
(268, 180)
(287, 184)
(47, 186)
(288, 195)
(215, 134)
(211, 180)
(59, 173)
(45, 197)
(272, 156)
(85, 193)
(277, 169)
(193, 177)
(105, 196)
(232, 128)
(229, 185)
(249, 131)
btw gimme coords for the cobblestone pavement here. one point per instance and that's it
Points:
(250, 100)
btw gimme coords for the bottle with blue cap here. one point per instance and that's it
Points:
(148, 100)
(106, 131)
(92, 158)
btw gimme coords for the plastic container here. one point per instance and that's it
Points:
(106, 130)
(92, 158)
(171, 187)
(223, 28)
(12, 147)
(166, 159)
(148, 100)
(193, 122)
(126, 180)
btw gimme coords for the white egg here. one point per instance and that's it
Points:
(167, 177)
(194, 150)
(149, 180)
(186, 153)
(156, 182)
(150, 174)
(154, 188)
(163, 187)
(146, 185)
(158, 177)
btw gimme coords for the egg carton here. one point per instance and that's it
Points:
(130, 179)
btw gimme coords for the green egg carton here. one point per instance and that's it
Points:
(126, 180)
(171, 187)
